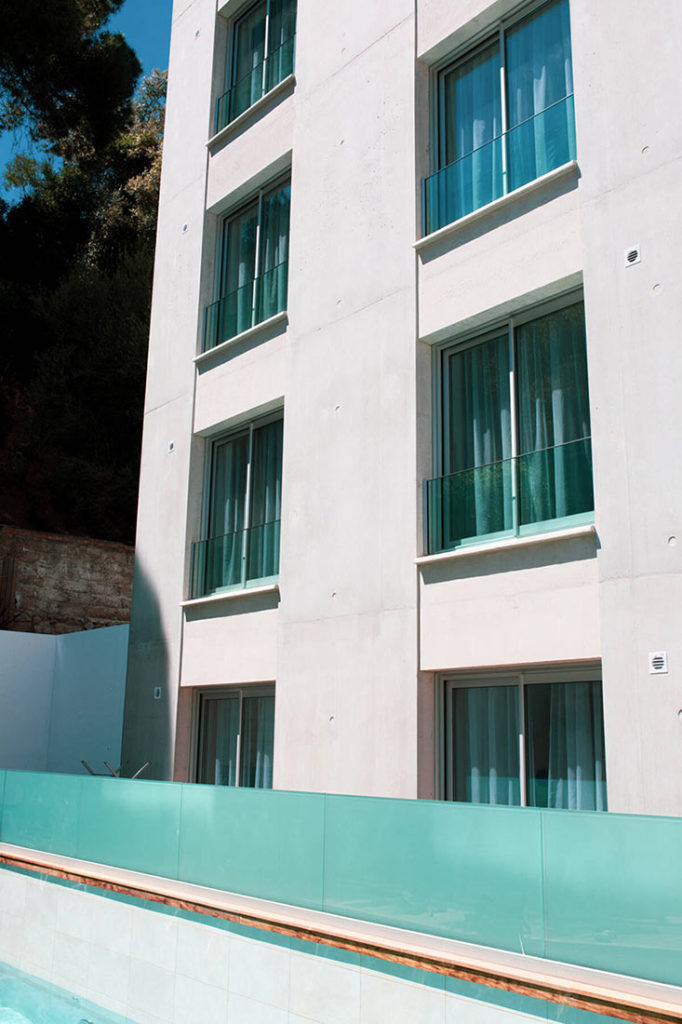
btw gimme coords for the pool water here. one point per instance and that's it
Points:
(28, 1000)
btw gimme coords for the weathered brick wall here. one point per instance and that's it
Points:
(55, 584)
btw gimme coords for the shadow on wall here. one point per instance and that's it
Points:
(150, 711)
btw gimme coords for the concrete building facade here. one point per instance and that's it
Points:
(409, 512)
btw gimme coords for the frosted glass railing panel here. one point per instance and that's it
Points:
(596, 889)
(457, 870)
(613, 897)
(256, 842)
(135, 827)
(42, 811)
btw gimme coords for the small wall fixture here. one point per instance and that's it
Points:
(157, 693)
(658, 663)
(632, 255)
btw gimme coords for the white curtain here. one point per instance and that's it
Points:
(539, 87)
(266, 501)
(227, 509)
(477, 487)
(555, 464)
(218, 741)
(257, 741)
(238, 270)
(565, 746)
(281, 29)
(274, 252)
(486, 744)
(472, 115)
(247, 61)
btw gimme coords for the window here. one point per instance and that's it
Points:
(534, 740)
(252, 266)
(505, 115)
(516, 454)
(261, 55)
(236, 729)
(243, 514)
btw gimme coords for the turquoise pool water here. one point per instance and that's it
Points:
(28, 1000)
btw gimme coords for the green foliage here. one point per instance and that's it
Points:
(76, 259)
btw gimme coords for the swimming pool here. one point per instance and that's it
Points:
(28, 1000)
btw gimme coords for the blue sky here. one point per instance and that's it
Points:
(146, 26)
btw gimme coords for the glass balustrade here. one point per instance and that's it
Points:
(246, 306)
(517, 496)
(526, 151)
(235, 559)
(263, 77)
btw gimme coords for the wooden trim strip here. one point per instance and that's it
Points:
(629, 1006)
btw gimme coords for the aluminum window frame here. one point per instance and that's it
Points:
(471, 338)
(523, 677)
(257, 196)
(239, 429)
(241, 690)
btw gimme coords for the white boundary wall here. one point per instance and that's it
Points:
(162, 968)
(61, 699)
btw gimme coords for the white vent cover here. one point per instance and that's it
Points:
(632, 255)
(658, 662)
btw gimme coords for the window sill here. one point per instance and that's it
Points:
(450, 230)
(511, 542)
(247, 335)
(245, 115)
(230, 595)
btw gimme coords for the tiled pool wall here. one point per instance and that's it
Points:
(158, 965)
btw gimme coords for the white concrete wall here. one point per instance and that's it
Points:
(157, 968)
(629, 139)
(356, 621)
(86, 720)
(26, 682)
(61, 699)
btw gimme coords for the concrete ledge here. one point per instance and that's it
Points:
(450, 230)
(511, 542)
(603, 992)
(248, 335)
(272, 94)
(230, 595)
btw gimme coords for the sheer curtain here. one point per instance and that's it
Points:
(226, 519)
(266, 501)
(472, 113)
(554, 465)
(247, 62)
(282, 27)
(274, 252)
(257, 742)
(218, 741)
(486, 744)
(478, 438)
(238, 269)
(565, 746)
(539, 80)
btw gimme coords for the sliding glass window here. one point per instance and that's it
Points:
(235, 740)
(261, 56)
(504, 115)
(252, 266)
(243, 514)
(527, 740)
(516, 453)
